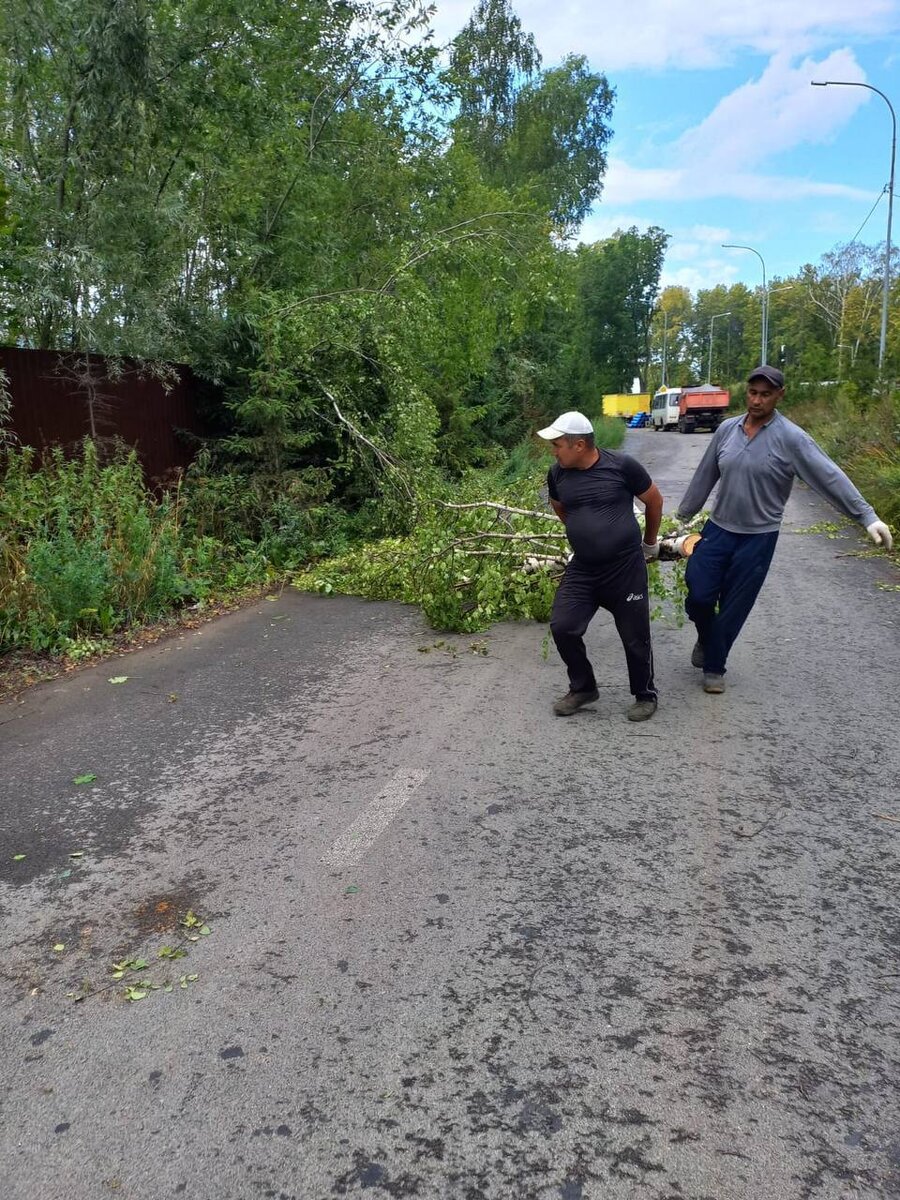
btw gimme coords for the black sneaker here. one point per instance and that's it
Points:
(697, 655)
(572, 701)
(641, 710)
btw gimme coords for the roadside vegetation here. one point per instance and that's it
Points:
(863, 435)
(88, 550)
(373, 257)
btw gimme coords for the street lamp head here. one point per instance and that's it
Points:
(819, 82)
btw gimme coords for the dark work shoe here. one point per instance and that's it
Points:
(697, 655)
(641, 710)
(572, 701)
(714, 684)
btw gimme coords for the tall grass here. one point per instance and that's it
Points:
(87, 549)
(864, 438)
(84, 548)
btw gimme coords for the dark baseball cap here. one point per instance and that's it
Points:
(771, 374)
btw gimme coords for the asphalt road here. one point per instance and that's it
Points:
(460, 948)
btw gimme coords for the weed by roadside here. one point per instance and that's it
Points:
(864, 438)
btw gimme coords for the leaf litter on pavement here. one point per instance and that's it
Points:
(135, 971)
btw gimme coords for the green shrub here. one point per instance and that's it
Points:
(865, 440)
(70, 577)
(85, 548)
(609, 432)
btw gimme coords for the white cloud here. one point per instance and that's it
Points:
(770, 115)
(694, 258)
(685, 34)
(625, 184)
(725, 155)
(702, 181)
(604, 223)
(707, 274)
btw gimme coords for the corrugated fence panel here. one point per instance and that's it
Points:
(50, 406)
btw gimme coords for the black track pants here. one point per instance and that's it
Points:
(621, 588)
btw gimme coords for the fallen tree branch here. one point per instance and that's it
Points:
(388, 463)
(509, 537)
(501, 508)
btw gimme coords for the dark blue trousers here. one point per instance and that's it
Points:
(724, 576)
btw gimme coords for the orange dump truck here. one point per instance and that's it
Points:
(704, 407)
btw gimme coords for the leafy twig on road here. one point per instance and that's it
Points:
(194, 928)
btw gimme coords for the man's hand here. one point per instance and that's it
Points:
(880, 534)
(651, 552)
(688, 523)
(653, 505)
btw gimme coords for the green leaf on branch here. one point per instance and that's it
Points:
(171, 952)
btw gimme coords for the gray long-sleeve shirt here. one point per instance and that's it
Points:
(755, 477)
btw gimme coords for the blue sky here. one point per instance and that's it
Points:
(718, 136)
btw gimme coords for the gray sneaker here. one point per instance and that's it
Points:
(572, 701)
(641, 710)
(697, 655)
(714, 684)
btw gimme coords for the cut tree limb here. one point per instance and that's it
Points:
(502, 508)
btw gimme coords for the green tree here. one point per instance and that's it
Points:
(735, 338)
(490, 60)
(165, 161)
(618, 285)
(670, 338)
(556, 148)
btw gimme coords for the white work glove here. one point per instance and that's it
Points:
(880, 534)
(651, 553)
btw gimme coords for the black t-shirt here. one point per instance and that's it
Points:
(599, 504)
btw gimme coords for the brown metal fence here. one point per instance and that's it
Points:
(58, 399)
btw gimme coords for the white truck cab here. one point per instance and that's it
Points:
(664, 409)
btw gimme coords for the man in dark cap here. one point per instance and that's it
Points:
(754, 459)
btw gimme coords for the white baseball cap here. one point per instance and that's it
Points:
(570, 424)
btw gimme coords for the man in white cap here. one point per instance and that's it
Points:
(593, 492)
(754, 459)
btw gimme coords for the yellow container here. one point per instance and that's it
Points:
(625, 404)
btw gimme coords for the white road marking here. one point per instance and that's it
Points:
(353, 844)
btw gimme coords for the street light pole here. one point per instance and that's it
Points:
(774, 292)
(764, 335)
(665, 344)
(712, 322)
(886, 289)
